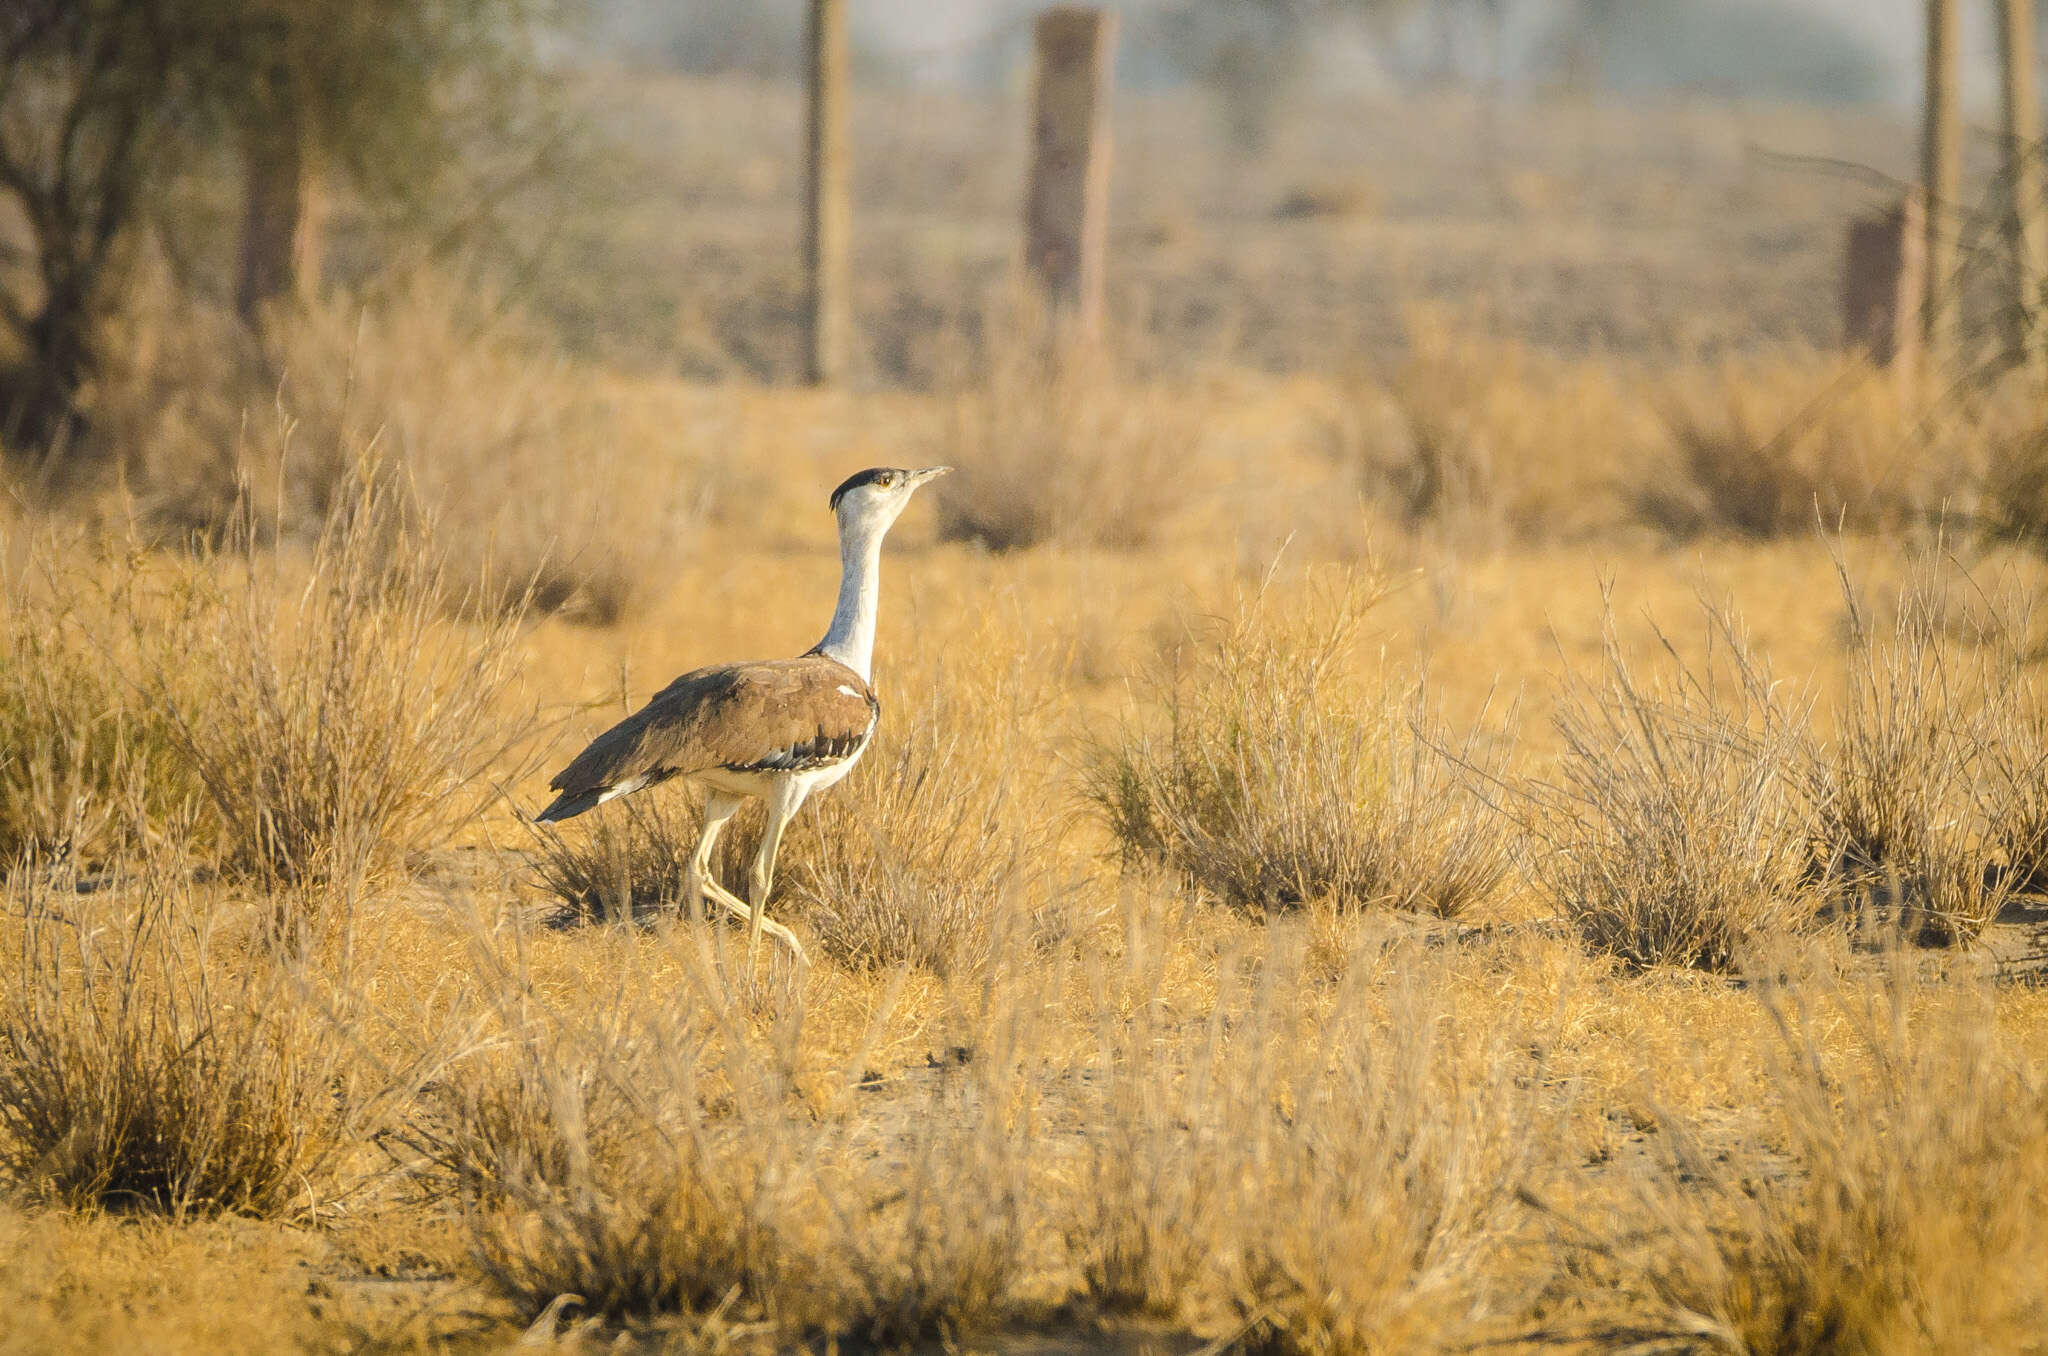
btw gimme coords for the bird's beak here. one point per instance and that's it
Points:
(930, 473)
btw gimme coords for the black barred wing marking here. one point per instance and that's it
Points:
(824, 751)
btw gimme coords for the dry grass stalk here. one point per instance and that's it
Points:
(1677, 832)
(1902, 1222)
(1274, 784)
(86, 769)
(1055, 444)
(148, 1060)
(1896, 828)
(1398, 1139)
(1767, 448)
(341, 725)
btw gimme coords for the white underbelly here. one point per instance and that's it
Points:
(733, 782)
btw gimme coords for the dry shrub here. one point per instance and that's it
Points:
(1677, 831)
(592, 1164)
(1893, 786)
(655, 1159)
(1276, 780)
(1056, 443)
(628, 861)
(339, 725)
(547, 487)
(1768, 447)
(86, 768)
(149, 1060)
(1905, 1219)
(1486, 440)
(1378, 1149)
(2012, 795)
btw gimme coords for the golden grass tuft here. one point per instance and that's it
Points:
(1676, 831)
(1894, 1215)
(1262, 773)
(1778, 445)
(86, 769)
(150, 1059)
(1054, 444)
(340, 725)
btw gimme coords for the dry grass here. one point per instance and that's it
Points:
(1896, 828)
(86, 770)
(1778, 445)
(1895, 1213)
(340, 726)
(516, 455)
(1489, 442)
(152, 1059)
(1677, 830)
(656, 1159)
(1054, 443)
(1264, 775)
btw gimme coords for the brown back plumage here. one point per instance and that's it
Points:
(771, 715)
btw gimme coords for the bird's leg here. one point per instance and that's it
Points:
(697, 878)
(739, 909)
(783, 803)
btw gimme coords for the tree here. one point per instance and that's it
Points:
(105, 104)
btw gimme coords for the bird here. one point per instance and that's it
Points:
(774, 730)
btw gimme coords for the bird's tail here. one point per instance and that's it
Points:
(567, 806)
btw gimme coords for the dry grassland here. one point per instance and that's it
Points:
(1393, 1024)
(1510, 849)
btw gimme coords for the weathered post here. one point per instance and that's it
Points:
(1066, 206)
(280, 252)
(2026, 230)
(1882, 284)
(827, 316)
(1941, 175)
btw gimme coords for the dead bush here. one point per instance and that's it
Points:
(543, 479)
(87, 768)
(1264, 774)
(1055, 443)
(1767, 448)
(1677, 831)
(1489, 442)
(1896, 829)
(339, 724)
(1900, 1218)
(147, 1060)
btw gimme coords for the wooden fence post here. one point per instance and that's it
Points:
(827, 316)
(1883, 282)
(2026, 231)
(1066, 206)
(1941, 175)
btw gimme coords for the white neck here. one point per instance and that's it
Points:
(851, 637)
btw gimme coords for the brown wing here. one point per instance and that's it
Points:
(774, 715)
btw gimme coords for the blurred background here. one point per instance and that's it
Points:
(487, 235)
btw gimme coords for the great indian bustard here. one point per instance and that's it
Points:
(774, 729)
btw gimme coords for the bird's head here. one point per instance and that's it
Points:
(872, 498)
